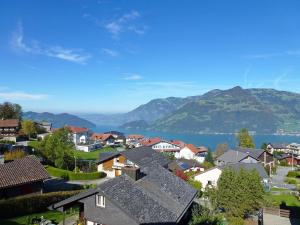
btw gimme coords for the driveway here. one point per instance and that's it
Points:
(278, 179)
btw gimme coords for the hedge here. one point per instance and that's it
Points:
(69, 175)
(29, 204)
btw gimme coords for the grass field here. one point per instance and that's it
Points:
(54, 216)
(289, 200)
(94, 154)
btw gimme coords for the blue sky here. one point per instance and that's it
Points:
(106, 56)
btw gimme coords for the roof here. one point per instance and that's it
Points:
(232, 156)
(183, 164)
(158, 197)
(9, 123)
(104, 156)
(151, 141)
(294, 145)
(135, 136)
(77, 129)
(22, 171)
(195, 149)
(249, 167)
(144, 156)
(254, 153)
(278, 145)
(179, 143)
(101, 137)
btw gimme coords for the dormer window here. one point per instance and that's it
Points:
(100, 201)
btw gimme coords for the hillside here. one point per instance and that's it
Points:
(259, 110)
(58, 120)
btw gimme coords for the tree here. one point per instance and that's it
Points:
(221, 149)
(239, 193)
(197, 185)
(203, 216)
(57, 149)
(28, 128)
(244, 138)
(10, 111)
(264, 146)
(209, 158)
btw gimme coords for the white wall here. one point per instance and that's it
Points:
(165, 146)
(186, 153)
(210, 175)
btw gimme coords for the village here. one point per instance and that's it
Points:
(71, 175)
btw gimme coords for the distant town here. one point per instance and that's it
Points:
(71, 175)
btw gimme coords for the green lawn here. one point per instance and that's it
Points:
(94, 154)
(289, 200)
(33, 144)
(24, 220)
(279, 189)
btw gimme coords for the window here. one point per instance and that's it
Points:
(100, 201)
(209, 182)
(118, 159)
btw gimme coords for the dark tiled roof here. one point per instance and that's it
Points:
(144, 156)
(22, 171)
(278, 145)
(249, 167)
(254, 153)
(107, 155)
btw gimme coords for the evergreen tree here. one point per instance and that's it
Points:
(244, 139)
(209, 158)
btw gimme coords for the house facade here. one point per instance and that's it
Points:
(104, 139)
(143, 194)
(209, 177)
(22, 176)
(9, 128)
(192, 152)
(79, 134)
(295, 148)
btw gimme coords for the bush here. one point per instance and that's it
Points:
(69, 175)
(291, 181)
(236, 221)
(295, 174)
(31, 203)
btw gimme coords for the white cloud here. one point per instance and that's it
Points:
(129, 16)
(110, 52)
(132, 77)
(114, 28)
(18, 95)
(35, 47)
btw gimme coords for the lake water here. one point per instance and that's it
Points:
(207, 140)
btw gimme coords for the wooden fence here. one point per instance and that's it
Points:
(278, 212)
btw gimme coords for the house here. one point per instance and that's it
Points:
(160, 145)
(191, 152)
(119, 137)
(22, 176)
(147, 194)
(246, 155)
(274, 147)
(179, 143)
(289, 159)
(134, 140)
(112, 162)
(295, 148)
(185, 165)
(104, 139)
(79, 134)
(46, 125)
(9, 129)
(211, 176)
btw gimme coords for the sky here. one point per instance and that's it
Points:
(110, 56)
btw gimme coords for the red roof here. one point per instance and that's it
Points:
(77, 129)
(151, 141)
(179, 143)
(9, 123)
(196, 149)
(101, 137)
(136, 136)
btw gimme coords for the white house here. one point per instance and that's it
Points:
(191, 152)
(273, 147)
(209, 177)
(295, 148)
(165, 146)
(79, 134)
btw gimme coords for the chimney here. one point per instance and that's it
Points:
(132, 172)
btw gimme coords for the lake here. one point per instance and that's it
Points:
(207, 140)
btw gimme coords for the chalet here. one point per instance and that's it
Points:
(79, 134)
(144, 194)
(273, 147)
(22, 176)
(289, 159)
(9, 128)
(118, 136)
(160, 145)
(112, 162)
(133, 139)
(192, 152)
(211, 176)
(246, 155)
(104, 139)
(295, 148)
(185, 165)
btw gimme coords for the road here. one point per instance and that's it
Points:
(278, 179)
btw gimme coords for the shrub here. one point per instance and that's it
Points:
(236, 221)
(295, 174)
(69, 175)
(31, 203)
(15, 154)
(290, 181)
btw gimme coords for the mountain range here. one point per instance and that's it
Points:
(58, 120)
(263, 111)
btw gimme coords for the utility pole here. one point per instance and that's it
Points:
(75, 164)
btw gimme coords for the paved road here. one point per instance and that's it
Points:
(278, 179)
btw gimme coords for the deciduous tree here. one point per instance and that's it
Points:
(221, 149)
(244, 139)
(10, 111)
(28, 128)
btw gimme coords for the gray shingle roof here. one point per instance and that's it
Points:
(144, 156)
(249, 167)
(255, 153)
(232, 156)
(107, 155)
(22, 171)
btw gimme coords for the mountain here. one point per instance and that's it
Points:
(223, 111)
(137, 125)
(59, 120)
